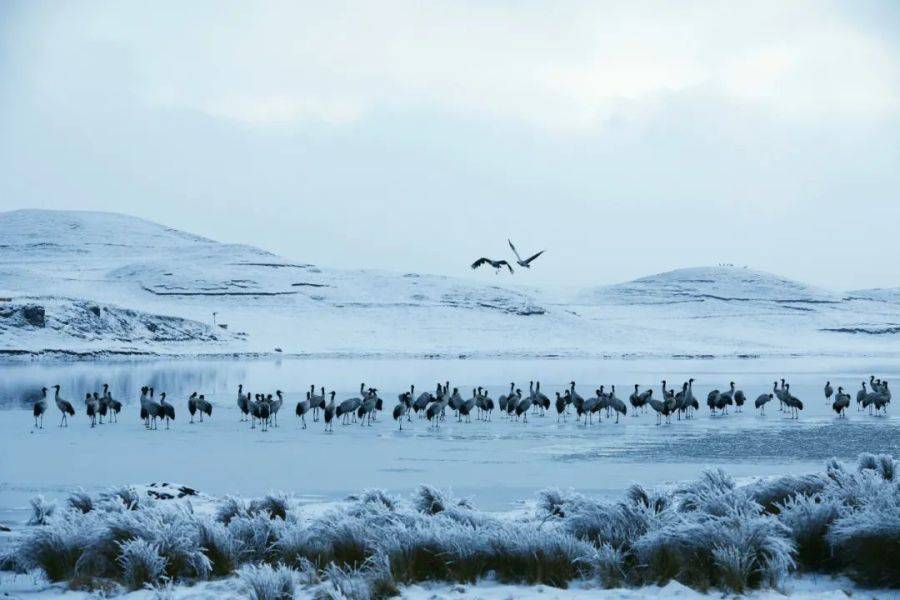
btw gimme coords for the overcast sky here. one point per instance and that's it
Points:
(627, 138)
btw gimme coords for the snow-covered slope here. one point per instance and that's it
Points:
(66, 260)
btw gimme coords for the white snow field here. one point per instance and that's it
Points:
(88, 270)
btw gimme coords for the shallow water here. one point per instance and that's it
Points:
(496, 464)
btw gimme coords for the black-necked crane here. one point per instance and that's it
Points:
(690, 400)
(497, 264)
(316, 402)
(423, 400)
(589, 407)
(115, 407)
(154, 409)
(541, 399)
(828, 392)
(487, 405)
(39, 408)
(253, 408)
(661, 409)
(366, 410)
(401, 410)
(91, 408)
(522, 407)
(275, 406)
(456, 401)
(64, 406)
(433, 413)
(168, 411)
(616, 403)
(523, 262)
(407, 399)
(465, 409)
(243, 402)
(739, 400)
(860, 396)
(602, 402)
(761, 401)
(560, 408)
(192, 405)
(264, 411)
(841, 403)
(347, 409)
(792, 402)
(303, 408)
(328, 413)
(636, 400)
(503, 400)
(577, 400)
(102, 406)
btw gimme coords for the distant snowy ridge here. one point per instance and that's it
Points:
(131, 264)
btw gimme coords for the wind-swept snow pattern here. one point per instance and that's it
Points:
(710, 533)
(271, 302)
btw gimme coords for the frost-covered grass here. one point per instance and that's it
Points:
(706, 534)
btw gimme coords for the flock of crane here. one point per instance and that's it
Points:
(262, 409)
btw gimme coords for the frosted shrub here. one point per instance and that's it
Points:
(430, 500)
(219, 547)
(275, 506)
(883, 464)
(808, 518)
(41, 510)
(610, 565)
(866, 541)
(379, 497)
(141, 563)
(264, 582)
(551, 503)
(54, 549)
(253, 537)
(772, 493)
(231, 507)
(128, 496)
(80, 501)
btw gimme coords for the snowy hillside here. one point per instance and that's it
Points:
(68, 262)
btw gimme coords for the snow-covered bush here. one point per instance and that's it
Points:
(41, 510)
(219, 547)
(273, 505)
(609, 563)
(231, 507)
(55, 549)
(141, 563)
(80, 501)
(264, 582)
(866, 541)
(883, 464)
(709, 533)
(772, 493)
(808, 519)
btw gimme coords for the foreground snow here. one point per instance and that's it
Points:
(797, 588)
(711, 533)
(123, 263)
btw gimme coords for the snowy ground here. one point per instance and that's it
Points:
(800, 588)
(119, 263)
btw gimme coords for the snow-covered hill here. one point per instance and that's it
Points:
(69, 262)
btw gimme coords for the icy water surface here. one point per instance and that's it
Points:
(496, 464)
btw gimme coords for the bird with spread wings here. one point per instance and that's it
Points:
(523, 263)
(497, 264)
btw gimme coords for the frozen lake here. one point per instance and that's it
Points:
(496, 464)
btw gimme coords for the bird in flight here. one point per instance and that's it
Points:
(497, 264)
(523, 263)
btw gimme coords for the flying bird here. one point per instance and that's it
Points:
(497, 264)
(523, 263)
